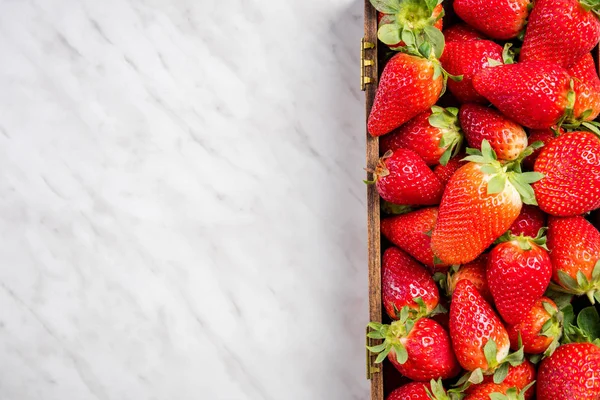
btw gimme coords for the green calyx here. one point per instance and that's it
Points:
(552, 328)
(394, 209)
(446, 120)
(525, 242)
(512, 394)
(586, 329)
(503, 172)
(391, 335)
(415, 16)
(436, 391)
(581, 285)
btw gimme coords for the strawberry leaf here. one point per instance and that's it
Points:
(490, 351)
(531, 177)
(401, 354)
(436, 39)
(383, 355)
(501, 373)
(386, 6)
(389, 34)
(496, 184)
(588, 321)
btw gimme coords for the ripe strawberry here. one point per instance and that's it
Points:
(434, 135)
(403, 281)
(445, 172)
(499, 19)
(540, 329)
(529, 222)
(539, 135)
(480, 202)
(461, 33)
(560, 31)
(466, 58)
(574, 245)
(420, 350)
(408, 14)
(474, 272)
(572, 372)
(571, 168)
(419, 391)
(402, 177)
(587, 88)
(519, 376)
(518, 273)
(408, 86)
(486, 391)
(507, 138)
(473, 326)
(412, 233)
(533, 94)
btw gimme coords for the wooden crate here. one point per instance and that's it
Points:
(380, 374)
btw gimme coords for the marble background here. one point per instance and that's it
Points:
(181, 207)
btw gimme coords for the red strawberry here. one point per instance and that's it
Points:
(560, 31)
(572, 372)
(539, 135)
(574, 245)
(587, 88)
(402, 177)
(408, 86)
(403, 281)
(533, 94)
(434, 135)
(418, 391)
(540, 329)
(518, 273)
(529, 222)
(466, 58)
(519, 376)
(507, 138)
(461, 33)
(474, 272)
(491, 390)
(571, 168)
(499, 19)
(474, 324)
(445, 172)
(420, 350)
(480, 202)
(412, 233)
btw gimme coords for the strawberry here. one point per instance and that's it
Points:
(408, 86)
(540, 330)
(534, 94)
(420, 350)
(412, 233)
(529, 222)
(445, 172)
(574, 245)
(519, 376)
(461, 32)
(587, 88)
(571, 168)
(539, 135)
(420, 391)
(499, 19)
(478, 336)
(480, 202)
(486, 391)
(507, 138)
(402, 177)
(475, 272)
(518, 273)
(561, 31)
(466, 58)
(434, 135)
(405, 283)
(572, 372)
(414, 15)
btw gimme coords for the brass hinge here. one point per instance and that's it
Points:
(364, 63)
(371, 367)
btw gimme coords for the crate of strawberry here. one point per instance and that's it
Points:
(483, 161)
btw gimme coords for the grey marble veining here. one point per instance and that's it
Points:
(181, 206)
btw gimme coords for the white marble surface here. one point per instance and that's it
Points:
(181, 208)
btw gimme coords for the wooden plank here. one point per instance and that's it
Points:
(374, 241)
